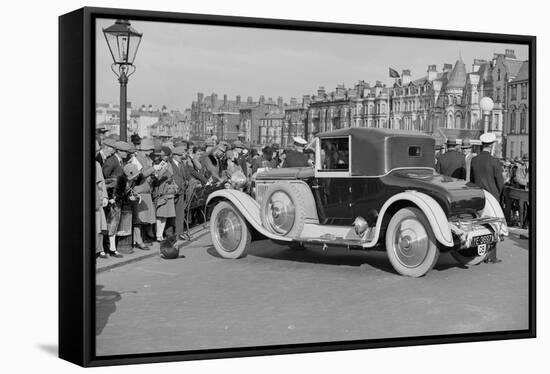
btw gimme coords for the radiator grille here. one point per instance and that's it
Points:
(261, 188)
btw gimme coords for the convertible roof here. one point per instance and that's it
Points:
(377, 151)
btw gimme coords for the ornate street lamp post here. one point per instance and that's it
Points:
(486, 104)
(123, 42)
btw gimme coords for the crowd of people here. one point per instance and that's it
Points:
(486, 171)
(456, 161)
(145, 187)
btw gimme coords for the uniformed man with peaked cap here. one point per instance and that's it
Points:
(297, 157)
(486, 172)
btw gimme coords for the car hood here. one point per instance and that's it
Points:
(456, 196)
(286, 173)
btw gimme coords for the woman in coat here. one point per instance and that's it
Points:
(101, 202)
(164, 191)
(144, 210)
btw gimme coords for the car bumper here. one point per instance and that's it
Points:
(479, 231)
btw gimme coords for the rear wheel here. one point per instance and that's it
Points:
(229, 230)
(410, 243)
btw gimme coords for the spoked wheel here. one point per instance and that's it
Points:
(470, 256)
(229, 230)
(410, 243)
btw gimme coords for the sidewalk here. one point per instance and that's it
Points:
(519, 232)
(106, 264)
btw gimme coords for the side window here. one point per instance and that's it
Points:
(415, 151)
(335, 154)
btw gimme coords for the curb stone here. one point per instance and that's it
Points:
(197, 230)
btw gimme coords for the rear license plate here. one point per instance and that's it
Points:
(481, 249)
(482, 239)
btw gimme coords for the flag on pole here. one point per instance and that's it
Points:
(394, 73)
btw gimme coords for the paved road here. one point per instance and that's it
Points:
(276, 295)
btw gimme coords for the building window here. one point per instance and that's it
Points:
(383, 108)
(524, 91)
(522, 122)
(498, 74)
(514, 93)
(512, 144)
(498, 95)
(512, 129)
(521, 149)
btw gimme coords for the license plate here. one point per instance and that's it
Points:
(482, 239)
(481, 249)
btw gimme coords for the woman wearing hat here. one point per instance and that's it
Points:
(164, 191)
(101, 202)
(144, 209)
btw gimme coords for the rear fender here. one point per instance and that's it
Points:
(492, 209)
(248, 207)
(431, 208)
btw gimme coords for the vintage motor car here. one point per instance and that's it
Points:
(369, 189)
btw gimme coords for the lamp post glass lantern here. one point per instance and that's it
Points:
(123, 42)
(486, 104)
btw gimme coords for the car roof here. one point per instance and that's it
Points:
(376, 152)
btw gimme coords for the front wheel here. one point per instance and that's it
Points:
(229, 230)
(410, 243)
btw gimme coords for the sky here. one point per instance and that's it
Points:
(175, 61)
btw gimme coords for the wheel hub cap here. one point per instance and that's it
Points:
(411, 242)
(228, 230)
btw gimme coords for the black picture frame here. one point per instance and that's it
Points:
(76, 196)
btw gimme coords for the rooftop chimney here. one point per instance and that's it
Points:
(432, 72)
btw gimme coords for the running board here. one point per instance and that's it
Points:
(342, 236)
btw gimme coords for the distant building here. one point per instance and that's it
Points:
(361, 106)
(202, 121)
(517, 129)
(250, 119)
(295, 118)
(271, 128)
(226, 125)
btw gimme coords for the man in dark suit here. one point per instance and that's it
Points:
(180, 178)
(451, 163)
(297, 157)
(112, 170)
(486, 172)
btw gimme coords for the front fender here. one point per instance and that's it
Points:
(431, 208)
(248, 207)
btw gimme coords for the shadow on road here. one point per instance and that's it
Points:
(105, 304)
(333, 256)
(315, 255)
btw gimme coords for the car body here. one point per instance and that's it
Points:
(369, 189)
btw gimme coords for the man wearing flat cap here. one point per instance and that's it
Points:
(107, 149)
(487, 173)
(100, 132)
(113, 170)
(238, 148)
(180, 175)
(296, 157)
(451, 163)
